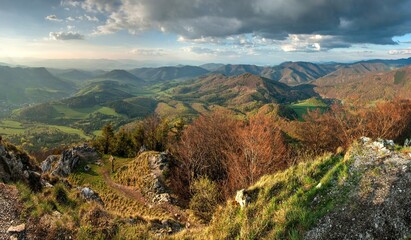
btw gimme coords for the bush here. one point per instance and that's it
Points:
(205, 198)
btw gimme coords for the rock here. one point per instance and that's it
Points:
(90, 195)
(17, 229)
(47, 164)
(160, 162)
(65, 163)
(242, 198)
(162, 198)
(87, 168)
(142, 149)
(16, 165)
(365, 140)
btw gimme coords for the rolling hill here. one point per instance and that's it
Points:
(162, 74)
(244, 92)
(31, 85)
(234, 70)
(294, 73)
(361, 85)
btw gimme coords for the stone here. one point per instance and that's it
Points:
(47, 164)
(64, 164)
(17, 229)
(90, 195)
(87, 168)
(242, 198)
(365, 140)
(162, 198)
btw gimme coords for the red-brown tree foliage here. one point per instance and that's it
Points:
(341, 125)
(232, 152)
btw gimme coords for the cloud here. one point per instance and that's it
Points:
(70, 3)
(82, 18)
(53, 18)
(400, 52)
(349, 21)
(148, 51)
(65, 36)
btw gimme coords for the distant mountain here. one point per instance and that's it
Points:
(31, 85)
(235, 70)
(391, 62)
(357, 85)
(294, 73)
(212, 66)
(243, 91)
(120, 75)
(74, 75)
(162, 74)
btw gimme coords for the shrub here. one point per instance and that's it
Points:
(205, 196)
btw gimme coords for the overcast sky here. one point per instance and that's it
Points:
(264, 32)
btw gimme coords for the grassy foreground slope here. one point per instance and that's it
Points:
(286, 204)
(364, 193)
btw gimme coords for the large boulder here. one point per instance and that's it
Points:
(16, 165)
(64, 164)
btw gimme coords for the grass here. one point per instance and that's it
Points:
(286, 204)
(12, 127)
(116, 202)
(9, 127)
(301, 108)
(126, 174)
(83, 113)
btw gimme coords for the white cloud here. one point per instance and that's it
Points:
(148, 51)
(400, 52)
(65, 36)
(53, 18)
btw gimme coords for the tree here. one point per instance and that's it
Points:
(107, 138)
(123, 145)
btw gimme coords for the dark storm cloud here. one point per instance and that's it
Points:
(349, 21)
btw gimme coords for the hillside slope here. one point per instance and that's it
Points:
(363, 195)
(162, 74)
(31, 85)
(239, 90)
(365, 85)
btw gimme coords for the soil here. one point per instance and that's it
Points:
(10, 208)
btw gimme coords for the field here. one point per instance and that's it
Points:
(302, 107)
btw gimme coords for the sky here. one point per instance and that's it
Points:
(263, 32)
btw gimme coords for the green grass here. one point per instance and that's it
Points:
(9, 127)
(70, 130)
(83, 113)
(287, 204)
(115, 202)
(301, 108)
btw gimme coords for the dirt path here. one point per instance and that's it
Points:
(9, 209)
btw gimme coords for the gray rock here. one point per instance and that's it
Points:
(64, 164)
(242, 198)
(47, 164)
(90, 195)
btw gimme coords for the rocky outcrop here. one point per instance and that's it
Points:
(64, 164)
(89, 195)
(379, 204)
(16, 165)
(159, 165)
(242, 198)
